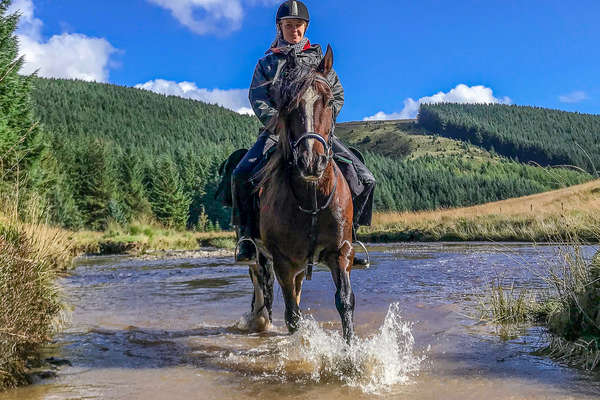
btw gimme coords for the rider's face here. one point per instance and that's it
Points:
(293, 30)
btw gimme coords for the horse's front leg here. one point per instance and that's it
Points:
(262, 298)
(286, 277)
(340, 263)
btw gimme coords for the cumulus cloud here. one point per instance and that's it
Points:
(234, 99)
(573, 97)
(210, 16)
(74, 55)
(460, 94)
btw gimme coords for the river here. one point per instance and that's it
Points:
(167, 329)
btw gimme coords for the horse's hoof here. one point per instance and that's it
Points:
(261, 324)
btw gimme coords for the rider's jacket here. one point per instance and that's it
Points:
(267, 71)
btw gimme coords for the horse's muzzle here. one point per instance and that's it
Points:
(312, 166)
(310, 163)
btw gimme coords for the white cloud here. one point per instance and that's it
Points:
(460, 94)
(210, 16)
(74, 55)
(573, 97)
(234, 99)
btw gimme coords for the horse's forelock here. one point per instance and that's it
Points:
(288, 93)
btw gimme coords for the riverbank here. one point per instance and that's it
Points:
(141, 238)
(546, 217)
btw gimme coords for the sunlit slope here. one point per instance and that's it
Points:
(400, 139)
(564, 213)
(541, 135)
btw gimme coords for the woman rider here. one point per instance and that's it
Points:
(291, 21)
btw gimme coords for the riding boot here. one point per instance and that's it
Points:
(358, 260)
(242, 218)
(246, 250)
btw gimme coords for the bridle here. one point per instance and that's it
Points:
(327, 145)
(316, 209)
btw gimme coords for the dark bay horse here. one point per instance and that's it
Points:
(305, 203)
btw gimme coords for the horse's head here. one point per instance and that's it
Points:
(306, 116)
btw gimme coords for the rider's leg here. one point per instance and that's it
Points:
(362, 193)
(241, 189)
(362, 185)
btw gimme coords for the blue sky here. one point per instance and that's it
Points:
(390, 55)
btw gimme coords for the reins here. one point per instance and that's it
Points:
(314, 212)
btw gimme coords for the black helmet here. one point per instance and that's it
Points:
(293, 9)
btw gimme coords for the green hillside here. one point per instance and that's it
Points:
(419, 171)
(117, 153)
(123, 152)
(544, 136)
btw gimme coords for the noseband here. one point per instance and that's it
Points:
(311, 135)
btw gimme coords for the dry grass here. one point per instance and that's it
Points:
(541, 217)
(31, 255)
(30, 305)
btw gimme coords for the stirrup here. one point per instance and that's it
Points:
(361, 244)
(241, 240)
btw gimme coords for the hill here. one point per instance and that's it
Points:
(544, 136)
(121, 153)
(118, 154)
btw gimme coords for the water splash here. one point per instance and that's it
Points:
(372, 364)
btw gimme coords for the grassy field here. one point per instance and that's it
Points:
(405, 139)
(541, 217)
(140, 237)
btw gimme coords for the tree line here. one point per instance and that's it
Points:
(527, 134)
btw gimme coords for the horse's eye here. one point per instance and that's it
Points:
(330, 102)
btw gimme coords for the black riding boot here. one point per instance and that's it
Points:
(242, 218)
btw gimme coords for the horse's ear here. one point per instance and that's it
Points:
(327, 62)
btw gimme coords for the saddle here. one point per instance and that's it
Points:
(226, 171)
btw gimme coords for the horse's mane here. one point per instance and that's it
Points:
(286, 92)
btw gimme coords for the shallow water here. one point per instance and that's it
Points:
(167, 329)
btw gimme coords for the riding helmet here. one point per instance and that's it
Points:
(293, 9)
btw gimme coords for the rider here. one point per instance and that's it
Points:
(291, 22)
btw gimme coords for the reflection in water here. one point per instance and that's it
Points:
(155, 329)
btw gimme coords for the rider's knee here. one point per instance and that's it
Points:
(369, 180)
(240, 174)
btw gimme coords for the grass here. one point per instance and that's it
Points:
(141, 236)
(543, 217)
(31, 256)
(569, 308)
(405, 139)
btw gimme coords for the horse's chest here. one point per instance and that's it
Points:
(294, 231)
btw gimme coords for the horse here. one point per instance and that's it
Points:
(305, 205)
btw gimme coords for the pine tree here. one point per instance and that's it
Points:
(94, 182)
(169, 203)
(20, 144)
